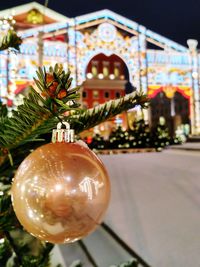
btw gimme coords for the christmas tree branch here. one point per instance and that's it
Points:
(7, 215)
(18, 129)
(18, 259)
(42, 110)
(31, 120)
(94, 116)
(10, 40)
(52, 102)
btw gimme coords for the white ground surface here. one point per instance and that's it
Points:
(155, 208)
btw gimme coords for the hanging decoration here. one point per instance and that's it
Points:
(61, 190)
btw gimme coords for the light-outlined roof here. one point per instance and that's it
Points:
(110, 15)
(89, 19)
(17, 10)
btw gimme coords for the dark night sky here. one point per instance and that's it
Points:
(175, 19)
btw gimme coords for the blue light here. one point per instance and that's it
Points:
(106, 14)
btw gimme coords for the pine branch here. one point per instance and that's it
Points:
(94, 116)
(23, 125)
(39, 113)
(28, 251)
(5, 252)
(15, 249)
(10, 40)
(7, 215)
(42, 110)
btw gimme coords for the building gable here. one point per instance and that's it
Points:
(32, 14)
(127, 25)
(94, 19)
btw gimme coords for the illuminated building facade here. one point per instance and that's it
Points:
(108, 55)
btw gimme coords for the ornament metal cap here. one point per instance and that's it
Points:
(63, 135)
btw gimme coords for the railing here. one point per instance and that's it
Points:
(137, 261)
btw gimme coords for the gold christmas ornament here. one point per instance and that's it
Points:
(61, 190)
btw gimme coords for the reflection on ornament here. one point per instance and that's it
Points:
(90, 187)
(60, 192)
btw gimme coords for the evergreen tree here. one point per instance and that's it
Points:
(160, 135)
(98, 142)
(140, 135)
(119, 138)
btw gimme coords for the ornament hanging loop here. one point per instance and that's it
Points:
(63, 135)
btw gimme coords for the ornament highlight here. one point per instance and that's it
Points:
(61, 192)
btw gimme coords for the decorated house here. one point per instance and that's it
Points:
(109, 56)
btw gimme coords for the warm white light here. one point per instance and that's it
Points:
(192, 44)
(89, 75)
(112, 76)
(58, 187)
(100, 76)
(68, 178)
(195, 74)
(13, 87)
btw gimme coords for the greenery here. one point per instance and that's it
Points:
(52, 101)
(141, 136)
(10, 40)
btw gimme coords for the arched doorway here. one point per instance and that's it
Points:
(182, 107)
(175, 110)
(107, 78)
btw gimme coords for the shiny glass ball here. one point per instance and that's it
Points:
(60, 192)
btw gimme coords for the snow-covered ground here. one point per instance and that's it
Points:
(155, 208)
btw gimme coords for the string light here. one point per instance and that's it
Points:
(89, 75)
(7, 23)
(100, 76)
(112, 76)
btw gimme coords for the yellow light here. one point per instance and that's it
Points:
(100, 76)
(112, 76)
(195, 74)
(89, 75)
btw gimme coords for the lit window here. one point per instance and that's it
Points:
(105, 71)
(95, 94)
(117, 69)
(106, 68)
(94, 68)
(107, 94)
(94, 71)
(116, 72)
